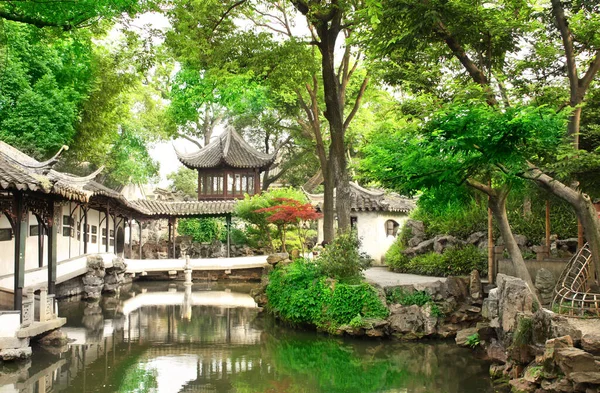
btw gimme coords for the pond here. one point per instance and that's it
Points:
(161, 337)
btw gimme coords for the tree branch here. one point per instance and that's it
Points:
(567, 38)
(226, 13)
(361, 92)
(584, 83)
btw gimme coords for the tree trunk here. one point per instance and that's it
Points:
(497, 204)
(583, 206)
(574, 122)
(328, 205)
(313, 182)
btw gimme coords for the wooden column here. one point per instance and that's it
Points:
(228, 221)
(140, 245)
(174, 234)
(169, 241)
(107, 229)
(86, 235)
(20, 229)
(40, 241)
(257, 185)
(130, 238)
(53, 229)
(491, 256)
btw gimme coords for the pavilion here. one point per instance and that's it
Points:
(47, 216)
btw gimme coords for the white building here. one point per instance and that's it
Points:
(376, 216)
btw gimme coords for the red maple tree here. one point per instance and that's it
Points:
(290, 212)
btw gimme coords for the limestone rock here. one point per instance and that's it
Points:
(521, 240)
(421, 248)
(417, 228)
(55, 338)
(545, 282)
(476, 237)
(547, 325)
(441, 243)
(490, 309)
(521, 385)
(475, 287)
(496, 352)
(560, 385)
(274, 259)
(15, 353)
(591, 343)
(515, 298)
(575, 360)
(462, 336)
(592, 377)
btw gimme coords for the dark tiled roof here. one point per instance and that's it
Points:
(180, 209)
(230, 149)
(371, 200)
(22, 172)
(19, 171)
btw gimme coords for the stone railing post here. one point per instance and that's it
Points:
(43, 301)
(50, 312)
(28, 309)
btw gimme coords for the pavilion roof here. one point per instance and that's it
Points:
(228, 150)
(363, 199)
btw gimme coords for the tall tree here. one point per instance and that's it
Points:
(484, 40)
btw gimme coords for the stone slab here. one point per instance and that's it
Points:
(37, 328)
(384, 278)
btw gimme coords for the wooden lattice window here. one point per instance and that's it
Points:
(391, 228)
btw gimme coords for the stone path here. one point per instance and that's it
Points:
(385, 278)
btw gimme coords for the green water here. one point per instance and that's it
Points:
(160, 338)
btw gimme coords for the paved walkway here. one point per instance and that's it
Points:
(385, 278)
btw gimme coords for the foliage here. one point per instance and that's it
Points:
(299, 293)
(289, 211)
(69, 15)
(202, 230)
(185, 180)
(259, 230)
(524, 332)
(409, 298)
(395, 258)
(463, 214)
(473, 340)
(342, 260)
(455, 261)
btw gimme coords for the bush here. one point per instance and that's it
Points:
(342, 259)
(455, 261)
(299, 293)
(394, 257)
(202, 230)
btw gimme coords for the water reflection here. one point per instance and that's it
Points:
(160, 338)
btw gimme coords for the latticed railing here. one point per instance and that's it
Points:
(574, 294)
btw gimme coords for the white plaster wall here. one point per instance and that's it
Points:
(371, 230)
(7, 249)
(370, 227)
(67, 247)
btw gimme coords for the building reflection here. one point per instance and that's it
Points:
(202, 336)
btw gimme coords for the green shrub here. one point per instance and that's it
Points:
(394, 257)
(347, 301)
(455, 261)
(342, 259)
(202, 230)
(407, 298)
(299, 293)
(463, 260)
